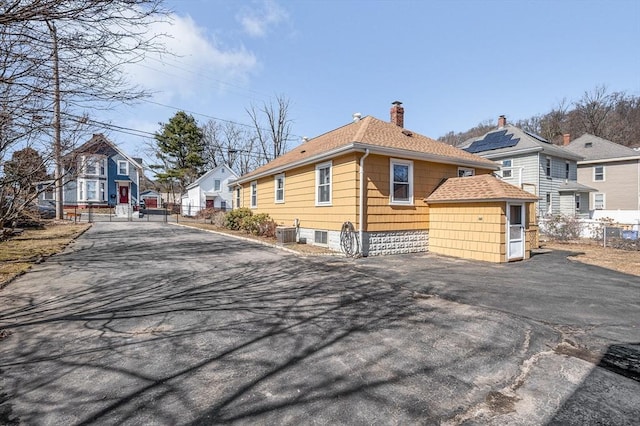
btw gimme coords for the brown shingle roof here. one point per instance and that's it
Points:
(478, 188)
(372, 133)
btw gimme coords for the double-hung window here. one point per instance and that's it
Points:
(254, 194)
(506, 168)
(598, 173)
(216, 185)
(279, 188)
(323, 184)
(598, 201)
(401, 184)
(547, 168)
(238, 198)
(91, 190)
(123, 168)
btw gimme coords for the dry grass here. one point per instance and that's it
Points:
(33, 245)
(306, 249)
(590, 252)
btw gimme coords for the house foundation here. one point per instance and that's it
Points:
(395, 242)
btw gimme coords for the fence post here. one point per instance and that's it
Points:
(604, 237)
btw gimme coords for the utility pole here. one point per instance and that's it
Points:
(57, 143)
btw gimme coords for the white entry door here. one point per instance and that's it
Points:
(515, 231)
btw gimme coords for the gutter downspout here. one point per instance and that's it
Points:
(361, 219)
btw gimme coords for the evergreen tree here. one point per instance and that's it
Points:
(180, 148)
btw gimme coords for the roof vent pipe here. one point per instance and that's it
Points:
(356, 117)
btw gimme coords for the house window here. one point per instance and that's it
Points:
(103, 167)
(279, 188)
(567, 168)
(506, 168)
(547, 167)
(48, 194)
(549, 203)
(254, 194)
(598, 173)
(216, 185)
(91, 190)
(223, 205)
(123, 168)
(401, 181)
(89, 165)
(598, 201)
(578, 202)
(320, 237)
(464, 172)
(238, 197)
(323, 184)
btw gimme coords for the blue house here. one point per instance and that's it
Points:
(99, 174)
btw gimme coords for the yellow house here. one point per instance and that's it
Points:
(360, 188)
(483, 218)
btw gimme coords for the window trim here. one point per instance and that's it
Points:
(126, 163)
(321, 166)
(466, 169)
(253, 194)
(323, 233)
(393, 162)
(82, 190)
(507, 169)
(604, 201)
(548, 167)
(595, 174)
(567, 169)
(238, 197)
(276, 189)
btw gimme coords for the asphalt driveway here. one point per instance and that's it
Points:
(149, 323)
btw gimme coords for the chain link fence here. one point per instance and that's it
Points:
(609, 234)
(168, 213)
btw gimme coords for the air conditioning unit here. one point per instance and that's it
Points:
(285, 235)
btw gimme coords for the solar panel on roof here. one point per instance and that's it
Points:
(493, 140)
(540, 138)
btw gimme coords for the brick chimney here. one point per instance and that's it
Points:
(566, 139)
(502, 121)
(397, 114)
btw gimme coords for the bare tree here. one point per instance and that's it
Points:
(593, 109)
(273, 134)
(64, 57)
(232, 144)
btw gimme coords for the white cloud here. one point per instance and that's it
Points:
(256, 21)
(200, 63)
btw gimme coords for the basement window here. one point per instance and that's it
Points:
(320, 237)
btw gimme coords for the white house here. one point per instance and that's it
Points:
(210, 191)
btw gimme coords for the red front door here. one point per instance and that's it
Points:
(124, 195)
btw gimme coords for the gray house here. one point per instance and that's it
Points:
(99, 174)
(612, 169)
(535, 165)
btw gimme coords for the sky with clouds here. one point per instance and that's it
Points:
(453, 63)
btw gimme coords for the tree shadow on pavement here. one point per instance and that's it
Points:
(225, 339)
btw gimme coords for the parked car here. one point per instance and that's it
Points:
(46, 211)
